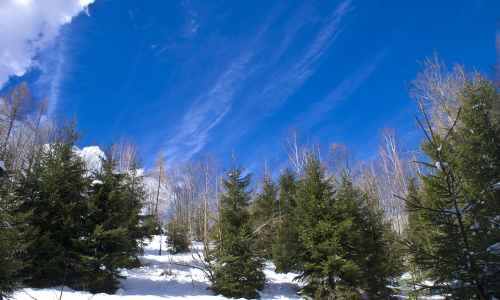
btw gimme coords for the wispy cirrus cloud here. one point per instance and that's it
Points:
(291, 77)
(192, 24)
(283, 80)
(52, 76)
(210, 107)
(318, 111)
(276, 80)
(207, 111)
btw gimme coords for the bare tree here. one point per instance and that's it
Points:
(437, 89)
(387, 178)
(338, 158)
(13, 108)
(125, 153)
(297, 155)
(395, 180)
(159, 174)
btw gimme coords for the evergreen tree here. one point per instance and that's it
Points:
(380, 252)
(55, 193)
(10, 238)
(348, 248)
(177, 237)
(138, 224)
(110, 237)
(322, 257)
(263, 216)
(237, 269)
(286, 247)
(454, 214)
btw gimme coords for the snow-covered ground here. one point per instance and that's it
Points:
(162, 278)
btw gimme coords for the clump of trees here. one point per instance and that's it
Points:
(63, 223)
(315, 223)
(348, 251)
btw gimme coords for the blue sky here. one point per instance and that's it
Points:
(224, 78)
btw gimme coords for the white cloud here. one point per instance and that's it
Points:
(28, 26)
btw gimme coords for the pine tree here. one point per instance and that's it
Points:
(263, 216)
(454, 213)
(286, 248)
(237, 269)
(55, 193)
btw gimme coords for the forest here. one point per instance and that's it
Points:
(408, 224)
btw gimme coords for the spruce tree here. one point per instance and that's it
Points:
(454, 214)
(177, 237)
(110, 237)
(348, 248)
(286, 248)
(263, 216)
(55, 195)
(11, 243)
(322, 257)
(134, 219)
(380, 252)
(238, 268)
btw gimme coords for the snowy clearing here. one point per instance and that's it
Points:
(150, 282)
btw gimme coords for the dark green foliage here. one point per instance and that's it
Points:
(319, 268)
(112, 230)
(55, 194)
(263, 216)
(78, 228)
(9, 261)
(286, 248)
(380, 250)
(11, 243)
(238, 269)
(178, 240)
(151, 225)
(348, 250)
(452, 220)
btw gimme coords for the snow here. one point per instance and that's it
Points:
(97, 182)
(494, 249)
(161, 278)
(92, 155)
